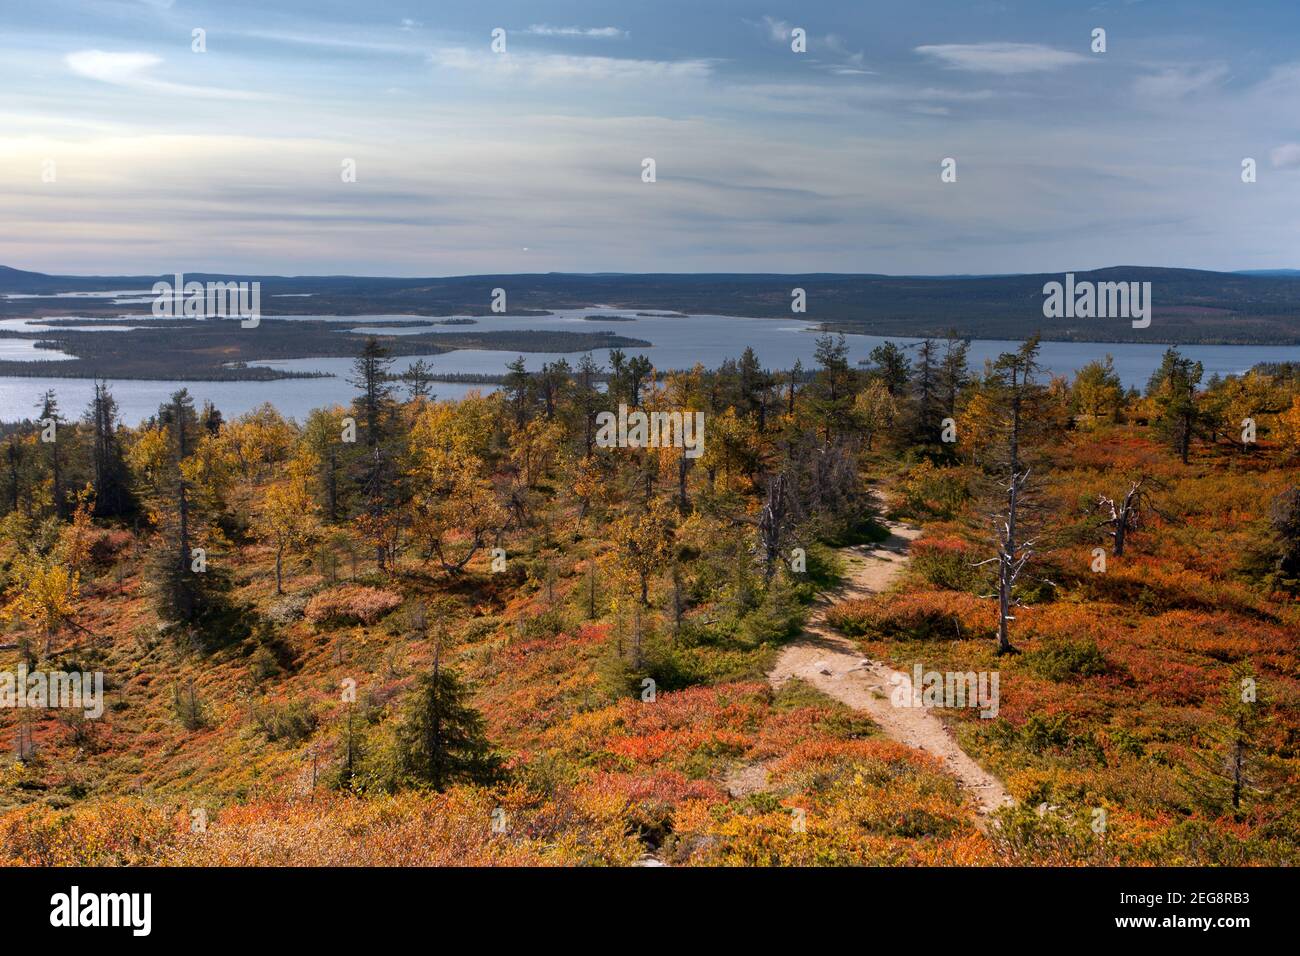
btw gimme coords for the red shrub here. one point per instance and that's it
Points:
(351, 605)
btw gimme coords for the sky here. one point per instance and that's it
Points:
(126, 150)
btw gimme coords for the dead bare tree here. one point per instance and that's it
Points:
(1011, 384)
(1127, 515)
(779, 514)
(1013, 554)
(773, 523)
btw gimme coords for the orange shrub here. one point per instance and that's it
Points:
(863, 802)
(917, 615)
(412, 829)
(1152, 586)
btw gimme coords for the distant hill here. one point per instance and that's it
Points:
(1190, 305)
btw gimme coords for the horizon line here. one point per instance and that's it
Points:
(1280, 271)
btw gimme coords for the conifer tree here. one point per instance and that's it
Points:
(953, 374)
(1227, 773)
(177, 576)
(111, 478)
(374, 468)
(441, 739)
(49, 418)
(1173, 386)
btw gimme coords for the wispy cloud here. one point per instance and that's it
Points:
(1286, 156)
(544, 30)
(133, 70)
(807, 97)
(1002, 58)
(778, 31)
(553, 67)
(120, 68)
(849, 62)
(331, 42)
(1282, 83)
(1175, 83)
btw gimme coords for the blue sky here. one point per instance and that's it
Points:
(470, 161)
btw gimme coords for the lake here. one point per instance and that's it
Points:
(679, 342)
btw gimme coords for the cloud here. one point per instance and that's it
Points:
(1282, 82)
(327, 42)
(805, 98)
(119, 68)
(1286, 156)
(1175, 83)
(132, 70)
(559, 68)
(850, 62)
(777, 30)
(1002, 58)
(835, 44)
(543, 30)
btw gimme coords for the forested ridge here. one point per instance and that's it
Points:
(1188, 305)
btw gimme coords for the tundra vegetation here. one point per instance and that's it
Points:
(413, 631)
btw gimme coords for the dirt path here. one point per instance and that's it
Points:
(831, 663)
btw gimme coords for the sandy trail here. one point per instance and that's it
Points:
(831, 663)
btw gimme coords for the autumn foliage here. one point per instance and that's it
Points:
(599, 623)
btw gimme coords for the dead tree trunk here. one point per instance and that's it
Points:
(683, 503)
(1126, 515)
(771, 524)
(1013, 554)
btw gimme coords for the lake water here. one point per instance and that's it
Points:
(678, 342)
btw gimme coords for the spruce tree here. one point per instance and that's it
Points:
(374, 468)
(48, 407)
(441, 740)
(1173, 386)
(112, 482)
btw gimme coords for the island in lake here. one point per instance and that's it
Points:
(221, 350)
